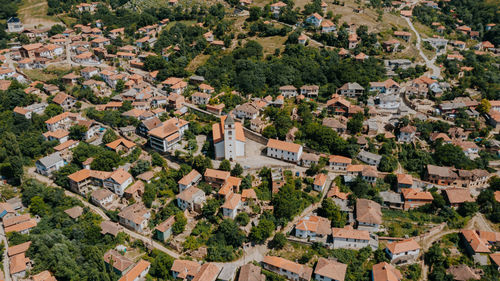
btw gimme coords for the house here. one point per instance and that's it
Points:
(327, 26)
(329, 270)
(320, 182)
(288, 91)
(18, 249)
(6, 210)
(135, 217)
(14, 24)
(191, 199)
(102, 197)
(469, 148)
(89, 72)
(163, 231)
(18, 266)
(302, 39)
(435, 136)
(495, 259)
(250, 272)
(117, 262)
(366, 172)
(458, 196)
(108, 227)
(116, 181)
(191, 179)
(60, 135)
(216, 178)
(248, 195)
(164, 137)
(335, 124)
(62, 121)
(185, 269)
(414, 198)
(464, 272)
(215, 108)
(402, 34)
(369, 158)
(385, 272)
(313, 227)
(74, 212)
(147, 125)
(134, 191)
(231, 206)
(208, 272)
(353, 41)
(288, 269)
(473, 243)
(349, 238)
(404, 181)
(407, 133)
(121, 146)
(276, 8)
(308, 159)
(389, 87)
(228, 138)
(282, 150)
(310, 91)
(22, 227)
(247, 110)
(440, 175)
(138, 272)
(351, 90)
(368, 215)
(403, 251)
(314, 19)
(200, 98)
(49, 164)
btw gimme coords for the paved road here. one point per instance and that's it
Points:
(6, 264)
(436, 71)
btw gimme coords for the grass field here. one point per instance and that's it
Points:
(197, 62)
(38, 75)
(33, 13)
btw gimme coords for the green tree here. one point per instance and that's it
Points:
(105, 161)
(468, 209)
(262, 231)
(109, 136)
(180, 223)
(279, 241)
(140, 167)
(120, 86)
(77, 132)
(484, 107)
(38, 206)
(355, 124)
(158, 160)
(209, 210)
(225, 165)
(331, 211)
(53, 109)
(237, 170)
(388, 163)
(242, 219)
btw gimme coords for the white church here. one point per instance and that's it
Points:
(229, 139)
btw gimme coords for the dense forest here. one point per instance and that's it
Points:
(21, 139)
(246, 69)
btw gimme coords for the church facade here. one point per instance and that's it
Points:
(229, 139)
